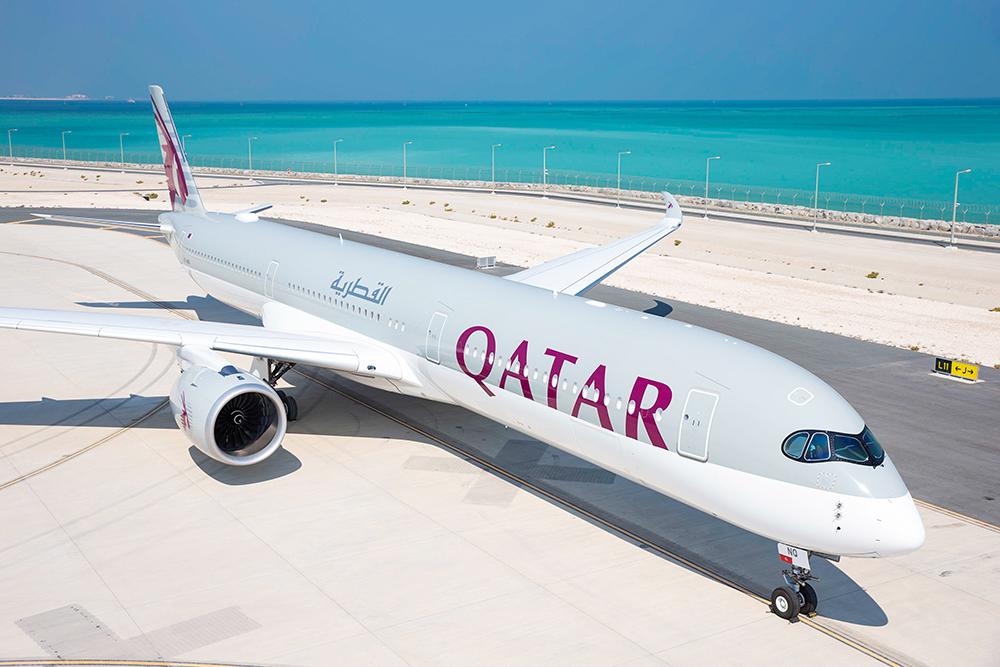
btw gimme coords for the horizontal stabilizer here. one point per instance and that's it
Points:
(155, 226)
(255, 209)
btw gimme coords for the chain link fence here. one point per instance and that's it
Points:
(725, 195)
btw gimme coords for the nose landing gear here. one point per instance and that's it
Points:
(797, 596)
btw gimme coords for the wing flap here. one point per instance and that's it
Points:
(577, 272)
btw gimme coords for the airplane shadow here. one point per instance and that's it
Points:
(742, 556)
(279, 464)
(661, 309)
(207, 308)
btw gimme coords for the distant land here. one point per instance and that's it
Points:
(75, 97)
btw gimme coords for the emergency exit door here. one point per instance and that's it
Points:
(696, 424)
(272, 271)
(435, 329)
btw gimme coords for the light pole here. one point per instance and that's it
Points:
(493, 167)
(405, 144)
(10, 145)
(184, 148)
(250, 141)
(545, 170)
(335, 181)
(708, 161)
(618, 197)
(64, 133)
(816, 194)
(121, 147)
(954, 207)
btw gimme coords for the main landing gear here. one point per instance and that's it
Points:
(796, 596)
(271, 371)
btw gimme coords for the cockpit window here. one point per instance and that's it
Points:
(795, 443)
(817, 446)
(872, 445)
(847, 448)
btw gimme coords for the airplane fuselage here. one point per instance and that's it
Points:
(691, 413)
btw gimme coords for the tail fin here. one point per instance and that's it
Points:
(183, 191)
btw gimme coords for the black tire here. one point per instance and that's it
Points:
(291, 408)
(809, 600)
(281, 394)
(785, 603)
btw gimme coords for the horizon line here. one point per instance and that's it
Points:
(125, 100)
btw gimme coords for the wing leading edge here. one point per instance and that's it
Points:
(341, 355)
(578, 272)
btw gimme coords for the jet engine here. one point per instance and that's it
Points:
(229, 414)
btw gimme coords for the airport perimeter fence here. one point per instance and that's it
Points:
(726, 195)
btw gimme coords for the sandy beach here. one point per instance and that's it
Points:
(915, 296)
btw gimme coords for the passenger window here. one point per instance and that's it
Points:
(848, 448)
(819, 448)
(795, 444)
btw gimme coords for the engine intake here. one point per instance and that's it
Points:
(229, 414)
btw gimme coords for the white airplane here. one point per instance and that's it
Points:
(712, 421)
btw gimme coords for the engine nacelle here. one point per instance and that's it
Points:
(228, 414)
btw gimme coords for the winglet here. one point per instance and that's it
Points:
(673, 208)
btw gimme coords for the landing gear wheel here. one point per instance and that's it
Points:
(291, 406)
(785, 603)
(809, 600)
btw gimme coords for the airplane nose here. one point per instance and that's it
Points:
(900, 528)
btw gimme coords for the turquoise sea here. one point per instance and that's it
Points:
(903, 151)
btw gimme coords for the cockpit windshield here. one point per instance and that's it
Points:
(816, 446)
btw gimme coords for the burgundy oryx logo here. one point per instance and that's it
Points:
(185, 416)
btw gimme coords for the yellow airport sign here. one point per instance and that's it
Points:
(958, 369)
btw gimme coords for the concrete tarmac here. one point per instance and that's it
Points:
(367, 542)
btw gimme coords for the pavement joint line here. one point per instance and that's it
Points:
(83, 450)
(17, 222)
(958, 515)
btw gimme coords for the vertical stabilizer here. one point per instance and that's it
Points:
(183, 191)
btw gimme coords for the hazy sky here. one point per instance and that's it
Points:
(507, 49)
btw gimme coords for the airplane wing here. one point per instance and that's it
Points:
(578, 272)
(333, 353)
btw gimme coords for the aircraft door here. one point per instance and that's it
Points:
(435, 329)
(272, 271)
(696, 424)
